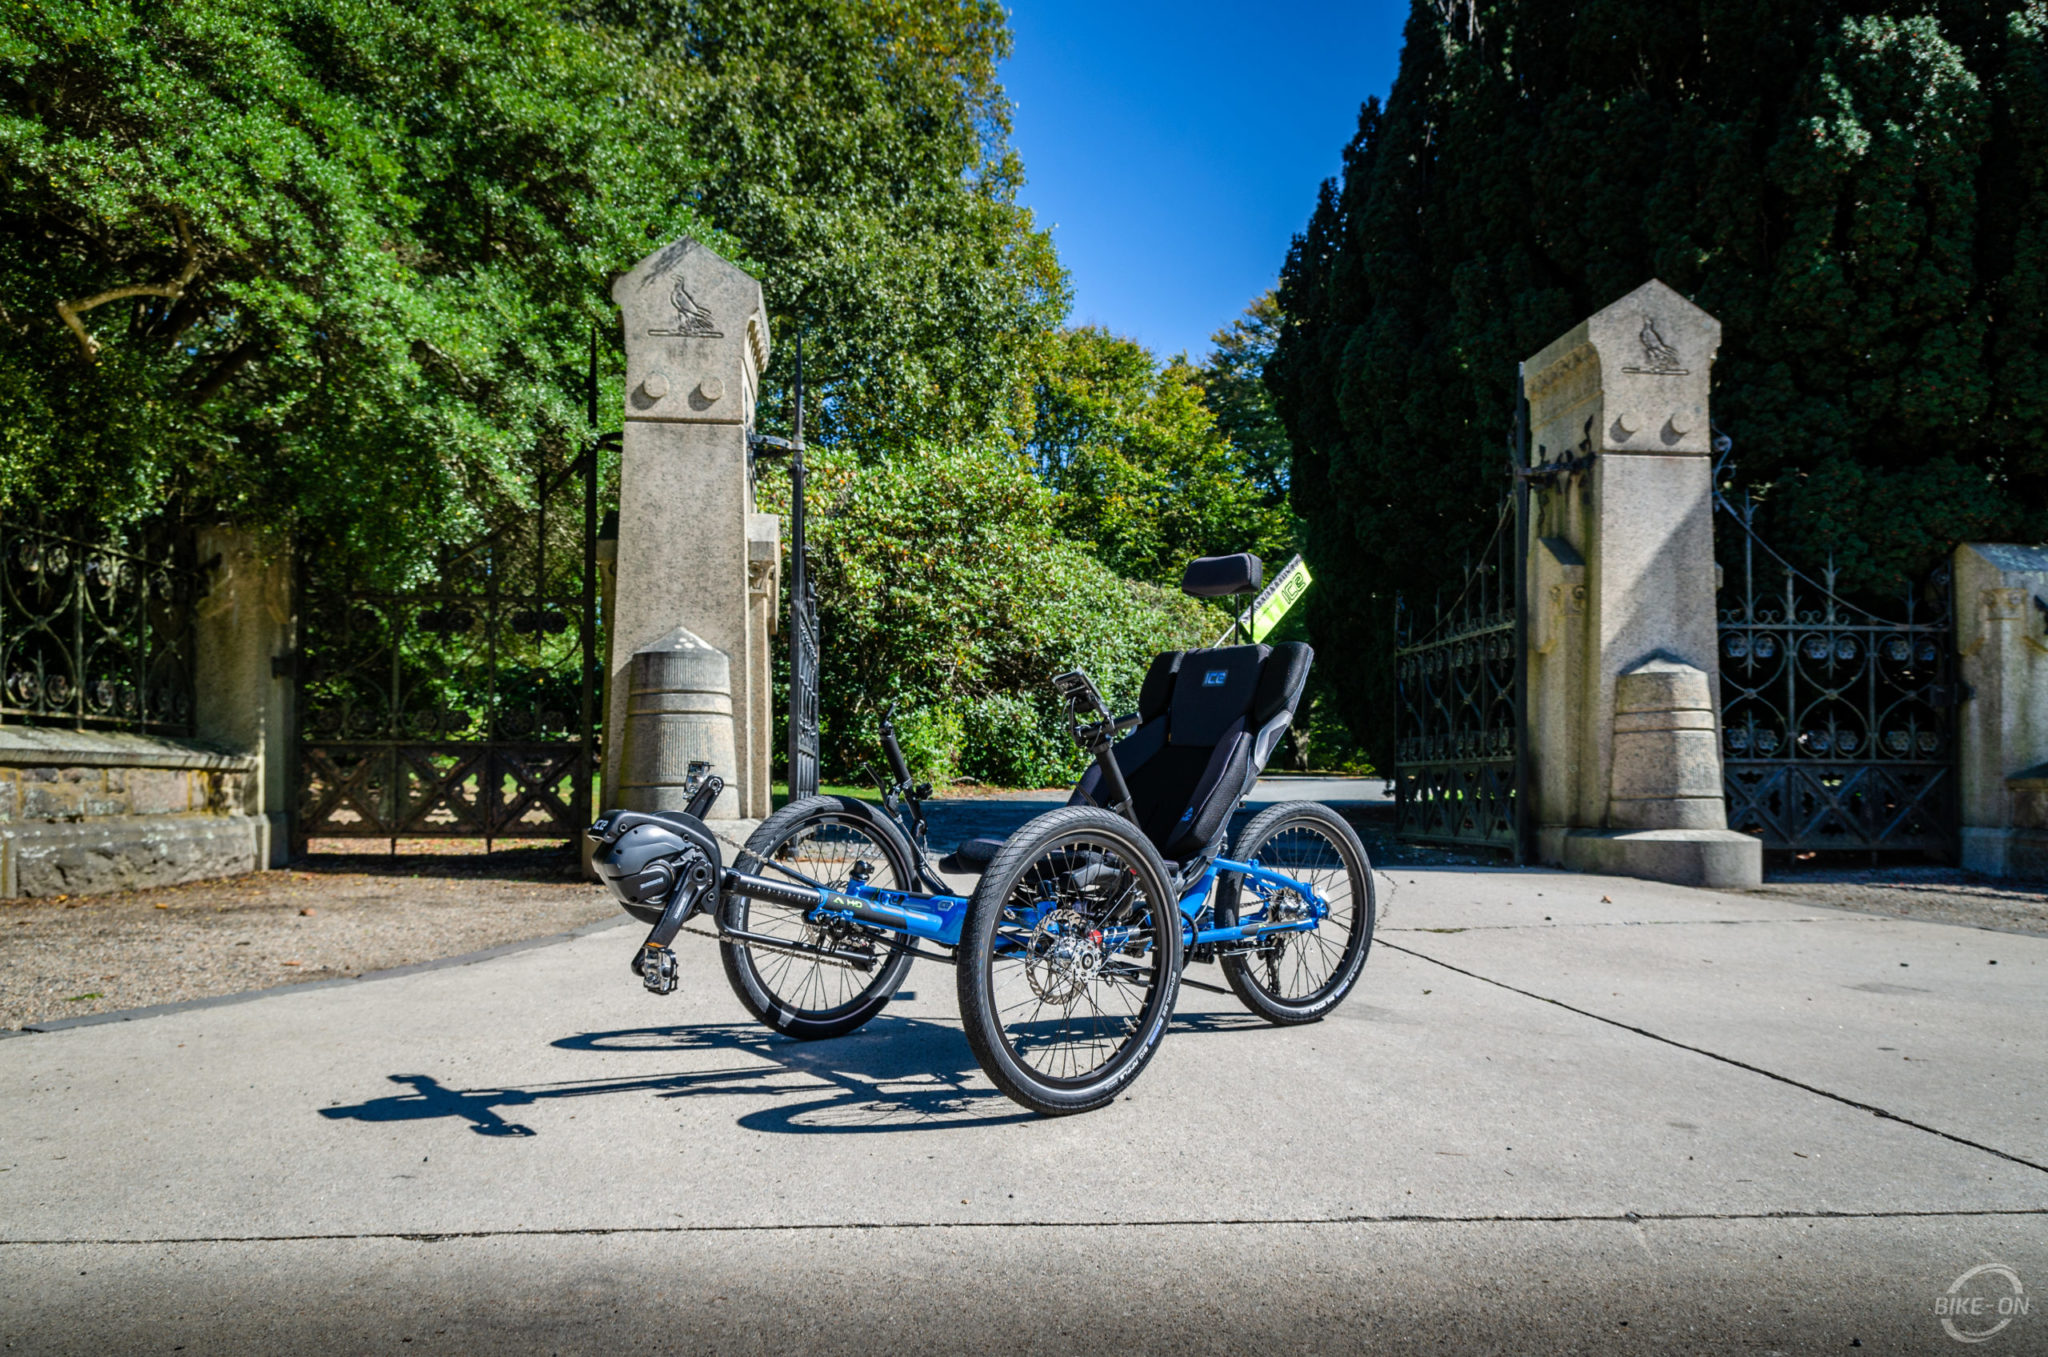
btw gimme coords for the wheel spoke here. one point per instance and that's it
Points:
(1065, 1003)
(1301, 968)
(825, 849)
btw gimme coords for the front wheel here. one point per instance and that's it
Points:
(824, 839)
(1069, 961)
(1299, 976)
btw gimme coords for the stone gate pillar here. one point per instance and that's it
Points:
(2002, 729)
(242, 700)
(1624, 683)
(687, 677)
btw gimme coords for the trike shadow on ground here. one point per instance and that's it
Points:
(895, 1074)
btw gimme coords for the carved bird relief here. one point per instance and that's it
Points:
(692, 318)
(1659, 355)
(1660, 359)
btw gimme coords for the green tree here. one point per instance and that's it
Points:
(1234, 389)
(1144, 473)
(857, 151)
(944, 583)
(1858, 196)
(328, 264)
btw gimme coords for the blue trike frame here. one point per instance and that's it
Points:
(937, 918)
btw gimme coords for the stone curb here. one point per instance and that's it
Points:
(244, 996)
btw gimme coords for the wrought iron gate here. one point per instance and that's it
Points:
(1459, 707)
(802, 747)
(464, 708)
(96, 629)
(1838, 725)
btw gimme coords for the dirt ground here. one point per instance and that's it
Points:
(327, 916)
(1929, 893)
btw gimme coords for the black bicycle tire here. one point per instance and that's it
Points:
(1237, 969)
(749, 986)
(978, 1005)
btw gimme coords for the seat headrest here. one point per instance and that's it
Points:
(1221, 576)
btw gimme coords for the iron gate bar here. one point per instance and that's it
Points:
(803, 617)
(1838, 725)
(390, 769)
(1459, 710)
(1518, 461)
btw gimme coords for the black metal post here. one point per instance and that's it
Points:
(586, 730)
(803, 618)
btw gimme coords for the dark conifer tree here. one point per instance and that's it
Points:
(1858, 191)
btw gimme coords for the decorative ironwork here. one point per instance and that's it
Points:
(96, 632)
(803, 678)
(803, 619)
(1458, 709)
(463, 708)
(1838, 726)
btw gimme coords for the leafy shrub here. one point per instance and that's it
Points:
(1016, 741)
(944, 585)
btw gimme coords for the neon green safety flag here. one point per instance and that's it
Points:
(1273, 601)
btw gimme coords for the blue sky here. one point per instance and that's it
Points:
(1175, 148)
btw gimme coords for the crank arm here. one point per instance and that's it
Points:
(655, 963)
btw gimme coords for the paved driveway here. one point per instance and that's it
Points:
(1562, 1113)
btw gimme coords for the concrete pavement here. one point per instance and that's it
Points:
(1547, 1121)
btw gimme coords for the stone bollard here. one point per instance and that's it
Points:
(678, 712)
(1667, 774)
(1667, 818)
(2025, 845)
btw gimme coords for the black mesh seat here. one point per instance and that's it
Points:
(1207, 722)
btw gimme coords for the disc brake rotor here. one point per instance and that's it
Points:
(1063, 956)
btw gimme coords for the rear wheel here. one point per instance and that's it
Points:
(1069, 961)
(821, 838)
(1299, 976)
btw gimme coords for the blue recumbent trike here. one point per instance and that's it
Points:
(1070, 950)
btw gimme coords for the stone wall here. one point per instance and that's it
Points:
(84, 812)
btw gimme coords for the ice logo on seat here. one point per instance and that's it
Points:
(1215, 678)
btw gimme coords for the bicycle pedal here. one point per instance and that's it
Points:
(658, 970)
